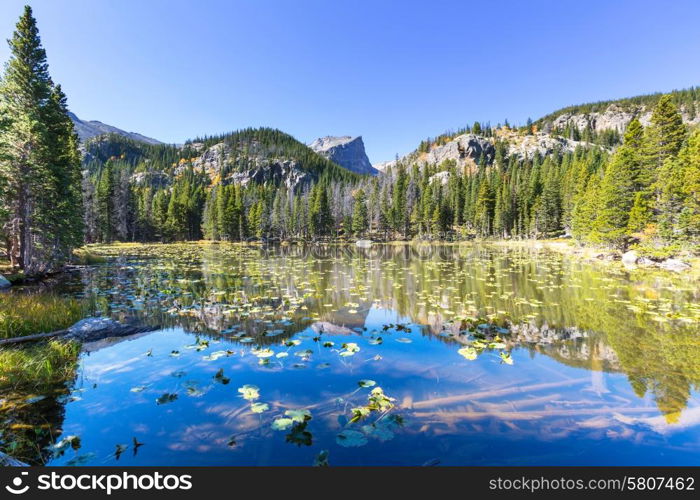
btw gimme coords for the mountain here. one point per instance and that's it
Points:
(346, 151)
(469, 149)
(614, 115)
(599, 124)
(250, 156)
(89, 129)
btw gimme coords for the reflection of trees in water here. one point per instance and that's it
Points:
(579, 314)
(28, 429)
(32, 402)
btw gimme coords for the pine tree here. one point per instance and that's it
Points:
(679, 185)
(618, 189)
(359, 212)
(39, 162)
(666, 133)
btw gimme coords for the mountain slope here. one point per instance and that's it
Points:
(250, 156)
(614, 115)
(346, 151)
(89, 129)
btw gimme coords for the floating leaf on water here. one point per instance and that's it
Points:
(321, 459)
(263, 353)
(219, 377)
(366, 383)
(174, 354)
(322, 366)
(378, 431)
(166, 398)
(216, 355)
(404, 340)
(65, 443)
(120, 448)
(351, 439)
(299, 416)
(282, 354)
(497, 345)
(349, 349)
(292, 343)
(249, 392)
(259, 407)
(359, 413)
(468, 352)
(328, 344)
(282, 424)
(376, 341)
(139, 388)
(178, 374)
(299, 435)
(232, 441)
(506, 358)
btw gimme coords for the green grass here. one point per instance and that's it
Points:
(37, 366)
(28, 314)
(84, 257)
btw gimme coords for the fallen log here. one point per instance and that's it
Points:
(86, 330)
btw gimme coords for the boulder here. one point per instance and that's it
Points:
(86, 326)
(4, 283)
(674, 265)
(630, 257)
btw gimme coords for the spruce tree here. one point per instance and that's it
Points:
(41, 207)
(618, 189)
(359, 212)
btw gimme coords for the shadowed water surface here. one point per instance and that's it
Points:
(393, 355)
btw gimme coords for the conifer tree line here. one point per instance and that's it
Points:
(644, 190)
(40, 173)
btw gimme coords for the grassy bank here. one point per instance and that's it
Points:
(27, 314)
(37, 366)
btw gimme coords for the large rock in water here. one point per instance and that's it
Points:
(346, 151)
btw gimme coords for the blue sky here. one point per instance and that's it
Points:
(394, 72)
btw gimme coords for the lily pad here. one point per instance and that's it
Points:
(349, 438)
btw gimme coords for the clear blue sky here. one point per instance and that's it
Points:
(394, 72)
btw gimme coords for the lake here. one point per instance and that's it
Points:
(389, 355)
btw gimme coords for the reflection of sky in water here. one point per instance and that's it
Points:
(537, 411)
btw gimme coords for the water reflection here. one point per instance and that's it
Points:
(602, 356)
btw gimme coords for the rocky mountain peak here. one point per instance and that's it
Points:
(89, 129)
(346, 151)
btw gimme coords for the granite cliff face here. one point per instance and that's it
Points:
(89, 129)
(258, 169)
(615, 117)
(346, 151)
(467, 149)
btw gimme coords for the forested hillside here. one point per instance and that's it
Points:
(247, 184)
(500, 183)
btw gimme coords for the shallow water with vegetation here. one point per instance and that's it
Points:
(389, 355)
